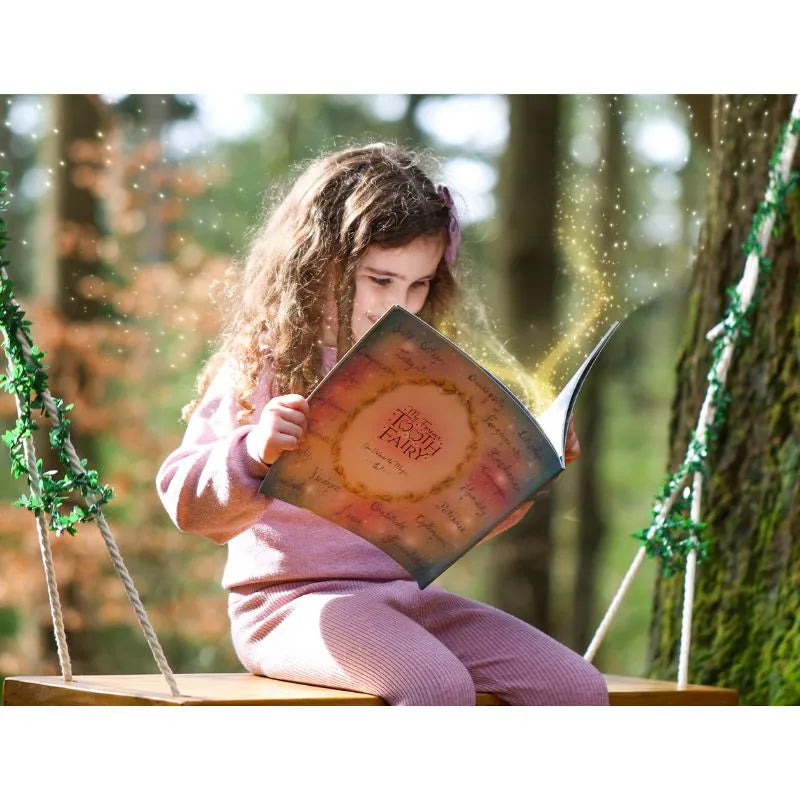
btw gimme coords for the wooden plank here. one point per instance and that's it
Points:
(198, 689)
(625, 691)
(238, 689)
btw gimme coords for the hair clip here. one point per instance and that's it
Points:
(453, 228)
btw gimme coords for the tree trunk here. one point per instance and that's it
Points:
(409, 127)
(588, 423)
(528, 198)
(746, 627)
(155, 115)
(77, 218)
(15, 163)
(79, 120)
(700, 109)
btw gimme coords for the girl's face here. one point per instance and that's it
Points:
(388, 276)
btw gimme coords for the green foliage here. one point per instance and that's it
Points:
(124, 651)
(26, 378)
(9, 622)
(674, 534)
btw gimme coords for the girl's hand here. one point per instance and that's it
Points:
(282, 425)
(573, 447)
(512, 519)
(571, 452)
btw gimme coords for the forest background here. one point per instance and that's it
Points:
(127, 209)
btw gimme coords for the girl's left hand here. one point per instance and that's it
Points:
(512, 519)
(571, 451)
(573, 447)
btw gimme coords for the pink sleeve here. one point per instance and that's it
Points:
(209, 485)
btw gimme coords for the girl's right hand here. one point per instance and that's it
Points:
(282, 425)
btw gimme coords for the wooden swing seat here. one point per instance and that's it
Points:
(243, 689)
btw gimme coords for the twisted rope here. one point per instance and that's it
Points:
(47, 560)
(44, 542)
(116, 558)
(627, 580)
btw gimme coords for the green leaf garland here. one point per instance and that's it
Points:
(672, 538)
(26, 378)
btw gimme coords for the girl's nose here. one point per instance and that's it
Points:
(399, 297)
(408, 299)
(415, 299)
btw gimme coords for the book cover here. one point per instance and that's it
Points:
(415, 447)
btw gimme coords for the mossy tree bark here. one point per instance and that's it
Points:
(746, 626)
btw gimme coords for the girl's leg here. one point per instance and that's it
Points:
(350, 635)
(508, 657)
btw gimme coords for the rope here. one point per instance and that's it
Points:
(602, 629)
(637, 562)
(688, 589)
(719, 371)
(47, 560)
(116, 557)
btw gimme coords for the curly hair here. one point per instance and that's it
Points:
(312, 242)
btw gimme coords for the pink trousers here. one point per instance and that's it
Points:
(407, 645)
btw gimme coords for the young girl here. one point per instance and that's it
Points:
(361, 230)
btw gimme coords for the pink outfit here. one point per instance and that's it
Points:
(312, 602)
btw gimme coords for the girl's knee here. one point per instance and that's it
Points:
(590, 687)
(431, 687)
(569, 680)
(583, 685)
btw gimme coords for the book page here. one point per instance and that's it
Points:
(414, 447)
(555, 420)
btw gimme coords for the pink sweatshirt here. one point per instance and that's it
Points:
(209, 486)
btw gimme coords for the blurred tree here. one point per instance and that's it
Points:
(81, 123)
(700, 109)
(409, 128)
(746, 628)
(645, 264)
(528, 252)
(15, 158)
(146, 117)
(592, 525)
(22, 589)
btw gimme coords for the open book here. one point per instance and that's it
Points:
(414, 446)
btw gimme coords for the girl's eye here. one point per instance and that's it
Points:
(421, 284)
(380, 281)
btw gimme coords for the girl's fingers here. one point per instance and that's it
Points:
(284, 441)
(572, 447)
(292, 416)
(291, 407)
(285, 428)
(293, 401)
(573, 450)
